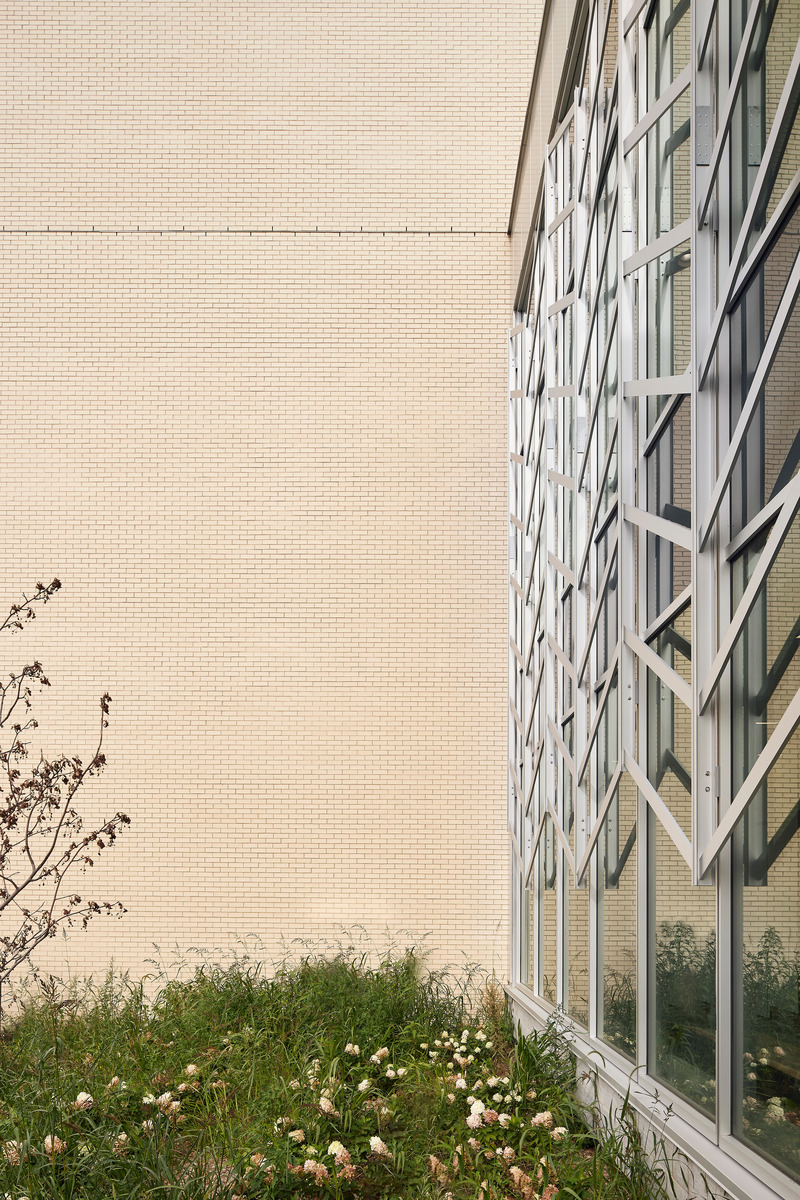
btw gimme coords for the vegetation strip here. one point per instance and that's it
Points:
(331, 1078)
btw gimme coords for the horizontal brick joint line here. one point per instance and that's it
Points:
(339, 232)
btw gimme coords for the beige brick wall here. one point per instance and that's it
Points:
(269, 467)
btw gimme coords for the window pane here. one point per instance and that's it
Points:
(683, 974)
(578, 953)
(770, 455)
(548, 892)
(767, 1104)
(616, 918)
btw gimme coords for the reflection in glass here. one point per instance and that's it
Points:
(616, 897)
(767, 1011)
(682, 970)
(548, 892)
(669, 723)
(770, 454)
(577, 963)
(766, 678)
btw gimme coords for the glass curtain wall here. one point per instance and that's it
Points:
(654, 484)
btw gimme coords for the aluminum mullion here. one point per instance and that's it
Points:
(535, 469)
(562, 569)
(609, 516)
(558, 220)
(551, 379)
(512, 797)
(664, 102)
(561, 746)
(723, 127)
(609, 675)
(669, 614)
(561, 303)
(662, 245)
(516, 716)
(772, 231)
(601, 597)
(707, 31)
(679, 535)
(538, 606)
(537, 759)
(515, 848)
(563, 128)
(561, 656)
(626, 435)
(598, 822)
(601, 379)
(535, 847)
(534, 323)
(760, 769)
(662, 423)
(750, 595)
(781, 319)
(532, 712)
(656, 664)
(595, 302)
(535, 545)
(592, 222)
(760, 521)
(654, 801)
(659, 385)
(776, 134)
(599, 488)
(631, 15)
(580, 227)
(562, 837)
(593, 107)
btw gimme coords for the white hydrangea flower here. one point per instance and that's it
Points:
(119, 1145)
(364, 1086)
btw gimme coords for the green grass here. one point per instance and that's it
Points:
(235, 1083)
